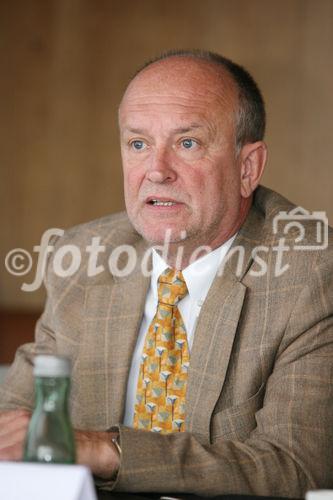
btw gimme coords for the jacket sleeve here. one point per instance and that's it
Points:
(17, 390)
(291, 449)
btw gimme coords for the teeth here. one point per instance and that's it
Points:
(162, 203)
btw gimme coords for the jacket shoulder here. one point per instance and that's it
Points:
(111, 230)
(282, 219)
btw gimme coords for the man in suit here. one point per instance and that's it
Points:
(258, 313)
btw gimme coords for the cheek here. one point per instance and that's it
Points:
(212, 193)
(133, 173)
(132, 180)
(206, 186)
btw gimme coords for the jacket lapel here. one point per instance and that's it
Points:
(217, 328)
(113, 312)
(211, 351)
(127, 305)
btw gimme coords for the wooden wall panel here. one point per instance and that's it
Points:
(64, 65)
(16, 329)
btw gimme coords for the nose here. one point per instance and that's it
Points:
(160, 169)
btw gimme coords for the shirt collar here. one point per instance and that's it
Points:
(199, 275)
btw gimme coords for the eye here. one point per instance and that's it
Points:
(189, 143)
(138, 145)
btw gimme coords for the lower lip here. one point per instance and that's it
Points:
(164, 208)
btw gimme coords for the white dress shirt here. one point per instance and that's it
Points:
(198, 277)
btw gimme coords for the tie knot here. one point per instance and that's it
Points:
(171, 287)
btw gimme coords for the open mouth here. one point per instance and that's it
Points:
(160, 203)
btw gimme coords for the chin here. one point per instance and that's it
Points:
(159, 231)
(160, 235)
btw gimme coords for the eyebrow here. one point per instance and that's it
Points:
(184, 130)
(180, 130)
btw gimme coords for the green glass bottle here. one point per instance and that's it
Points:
(50, 437)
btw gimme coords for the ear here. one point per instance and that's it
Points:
(253, 160)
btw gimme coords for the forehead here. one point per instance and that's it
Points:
(183, 85)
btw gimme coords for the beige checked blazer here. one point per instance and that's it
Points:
(260, 389)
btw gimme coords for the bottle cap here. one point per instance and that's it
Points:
(48, 365)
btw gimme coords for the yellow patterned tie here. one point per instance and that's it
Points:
(160, 397)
